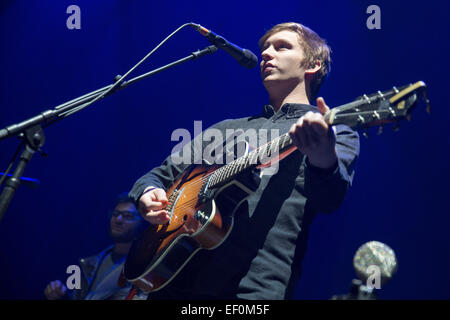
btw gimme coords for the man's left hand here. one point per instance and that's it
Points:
(314, 138)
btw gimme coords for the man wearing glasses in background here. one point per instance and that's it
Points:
(100, 273)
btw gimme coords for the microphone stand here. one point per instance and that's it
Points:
(31, 131)
(358, 291)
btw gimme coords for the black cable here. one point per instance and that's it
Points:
(120, 80)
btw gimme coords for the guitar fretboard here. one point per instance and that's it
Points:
(261, 155)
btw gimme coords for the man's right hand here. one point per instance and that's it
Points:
(152, 204)
(55, 290)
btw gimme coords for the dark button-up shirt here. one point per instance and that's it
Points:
(261, 257)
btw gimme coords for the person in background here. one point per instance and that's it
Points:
(100, 273)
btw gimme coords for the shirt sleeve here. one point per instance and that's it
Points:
(326, 189)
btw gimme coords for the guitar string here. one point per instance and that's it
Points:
(195, 184)
(189, 202)
(236, 163)
(243, 163)
(256, 152)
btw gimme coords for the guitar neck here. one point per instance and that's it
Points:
(254, 158)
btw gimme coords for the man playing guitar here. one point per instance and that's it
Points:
(261, 257)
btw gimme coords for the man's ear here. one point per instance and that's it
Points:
(313, 68)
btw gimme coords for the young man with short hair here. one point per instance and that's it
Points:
(261, 257)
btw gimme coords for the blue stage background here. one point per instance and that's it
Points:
(399, 195)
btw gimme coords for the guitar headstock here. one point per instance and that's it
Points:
(380, 108)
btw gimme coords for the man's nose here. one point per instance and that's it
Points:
(267, 54)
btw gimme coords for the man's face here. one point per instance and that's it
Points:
(282, 59)
(125, 222)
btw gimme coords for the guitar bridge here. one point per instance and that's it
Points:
(173, 198)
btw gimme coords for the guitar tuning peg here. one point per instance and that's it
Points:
(380, 130)
(365, 134)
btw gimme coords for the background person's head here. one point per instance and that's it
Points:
(126, 223)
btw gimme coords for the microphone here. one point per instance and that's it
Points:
(375, 265)
(375, 261)
(244, 57)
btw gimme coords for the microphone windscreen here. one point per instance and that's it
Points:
(251, 60)
(377, 254)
